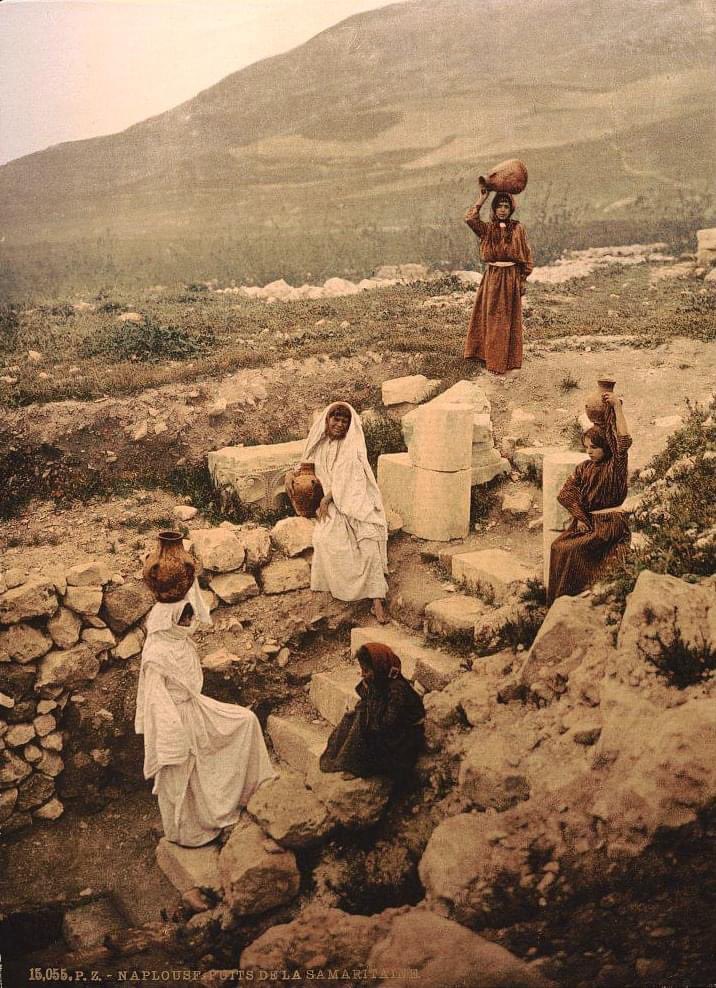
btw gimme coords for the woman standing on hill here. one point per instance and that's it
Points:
(495, 333)
(582, 553)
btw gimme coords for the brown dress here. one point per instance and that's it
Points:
(578, 559)
(495, 332)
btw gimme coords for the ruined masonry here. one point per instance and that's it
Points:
(450, 450)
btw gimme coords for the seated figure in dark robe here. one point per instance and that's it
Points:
(385, 733)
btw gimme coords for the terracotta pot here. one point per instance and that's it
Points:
(169, 570)
(508, 176)
(594, 405)
(307, 491)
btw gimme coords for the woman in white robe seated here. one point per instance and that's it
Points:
(350, 540)
(207, 758)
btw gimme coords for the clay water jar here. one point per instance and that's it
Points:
(594, 405)
(307, 491)
(509, 176)
(169, 569)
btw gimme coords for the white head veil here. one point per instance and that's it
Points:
(353, 485)
(165, 617)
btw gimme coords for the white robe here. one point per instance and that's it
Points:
(350, 544)
(207, 758)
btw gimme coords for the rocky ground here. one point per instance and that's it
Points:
(549, 817)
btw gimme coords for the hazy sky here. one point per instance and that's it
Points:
(71, 69)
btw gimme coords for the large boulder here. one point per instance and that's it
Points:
(352, 802)
(661, 766)
(256, 873)
(68, 668)
(573, 631)
(34, 599)
(661, 610)
(491, 772)
(290, 812)
(436, 953)
(256, 543)
(219, 549)
(125, 605)
(23, 643)
(319, 938)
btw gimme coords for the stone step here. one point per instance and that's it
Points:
(298, 743)
(189, 867)
(333, 693)
(492, 571)
(430, 667)
(454, 615)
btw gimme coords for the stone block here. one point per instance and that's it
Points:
(35, 791)
(433, 505)
(530, 459)
(488, 468)
(68, 668)
(65, 627)
(284, 575)
(189, 867)
(442, 438)
(517, 505)
(130, 645)
(256, 874)
(415, 389)
(22, 643)
(13, 769)
(557, 467)
(34, 599)
(256, 473)
(706, 247)
(84, 600)
(234, 587)
(220, 660)
(18, 735)
(297, 743)
(100, 639)
(87, 926)
(334, 693)
(493, 570)
(465, 394)
(289, 812)
(353, 803)
(92, 574)
(256, 543)
(8, 799)
(52, 810)
(124, 606)
(293, 535)
(219, 549)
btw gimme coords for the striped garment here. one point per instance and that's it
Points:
(578, 559)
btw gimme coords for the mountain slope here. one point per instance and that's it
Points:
(422, 94)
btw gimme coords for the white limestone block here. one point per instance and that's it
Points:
(493, 569)
(414, 389)
(255, 472)
(556, 468)
(434, 505)
(442, 438)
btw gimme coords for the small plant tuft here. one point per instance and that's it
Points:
(568, 383)
(683, 663)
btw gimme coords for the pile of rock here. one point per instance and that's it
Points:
(56, 633)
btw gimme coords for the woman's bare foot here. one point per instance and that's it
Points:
(378, 611)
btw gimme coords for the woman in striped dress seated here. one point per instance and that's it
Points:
(593, 542)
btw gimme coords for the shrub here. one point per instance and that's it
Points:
(382, 435)
(568, 382)
(148, 343)
(523, 627)
(683, 663)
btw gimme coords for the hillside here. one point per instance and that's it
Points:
(376, 130)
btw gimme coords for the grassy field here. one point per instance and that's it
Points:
(189, 334)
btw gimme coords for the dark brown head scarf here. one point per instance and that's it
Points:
(382, 660)
(496, 232)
